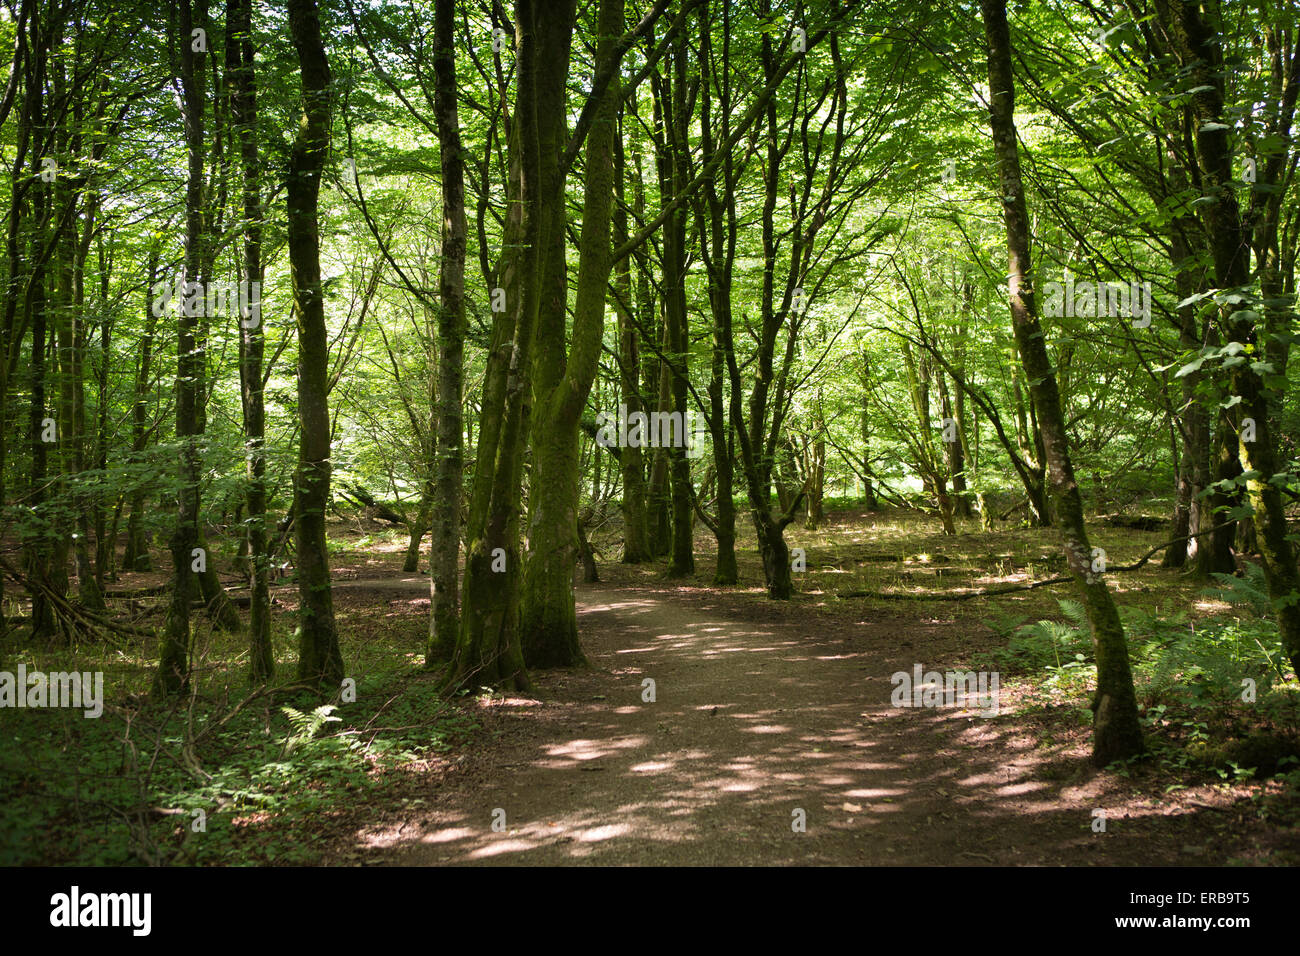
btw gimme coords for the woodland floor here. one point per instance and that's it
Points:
(761, 709)
(764, 708)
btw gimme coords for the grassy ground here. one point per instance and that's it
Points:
(224, 775)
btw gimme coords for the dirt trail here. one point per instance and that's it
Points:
(752, 722)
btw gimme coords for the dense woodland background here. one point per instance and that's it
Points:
(839, 234)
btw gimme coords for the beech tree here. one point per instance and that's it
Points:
(320, 661)
(1116, 731)
(444, 617)
(187, 557)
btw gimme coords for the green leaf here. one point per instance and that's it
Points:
(1192, 299)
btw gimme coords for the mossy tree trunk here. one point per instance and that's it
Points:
(562, 381)
(1117, 733)
(320, 662)
(487, 649)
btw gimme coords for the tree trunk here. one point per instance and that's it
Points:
(89, 592)
(173, 668)
(869, 501)
(320, 662)
(676, 122)
(416, 530)
(444, 607)
(561, 383)
(487, 648)
(658, 495)
(105, 551)
(1200, 53)
(1191, 511)
(636, 529)
(954, 451)
(1116, 732)
(38, 544)
(136, 556)
(1227, 467)
(252, 338)
(22, 180)
(718, 249)
(590, 573)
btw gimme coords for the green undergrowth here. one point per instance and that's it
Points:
(221, 776)
(1217, 694)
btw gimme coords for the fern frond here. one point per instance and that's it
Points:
(1075, 612)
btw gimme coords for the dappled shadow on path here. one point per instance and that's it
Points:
(755, 727)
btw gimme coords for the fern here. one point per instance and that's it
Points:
(305, 726)
(1075, 613)
(1046, 643)
(1250, 591)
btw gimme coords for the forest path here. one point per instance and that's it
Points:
(759, 712)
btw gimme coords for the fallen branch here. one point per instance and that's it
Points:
(1019, 504)
(151, 591)
(74, 614)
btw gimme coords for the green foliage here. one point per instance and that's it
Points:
(1206, 663)
(304, 727)
(266, 778)
(1249, 591)
(1044, 643)
(1190, 676)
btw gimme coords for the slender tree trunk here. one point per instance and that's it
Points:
(659, 494)
(89, 591)
(319, 659)
(173, 669)
(636, 531)
(758, 448)
(954, 451)
(658, 384)
(1227, 468)
(1176, 554)
(815, 514)
(1116, 731)
(136, 555)
(105, 552)
(220, 610)
(62, 376)
(444, 610)
(716, 215)
(674, 174)
(718, 247)
(1191, 514)
(864, 424)
(40, 545)
(417, 530)
(240, 67)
